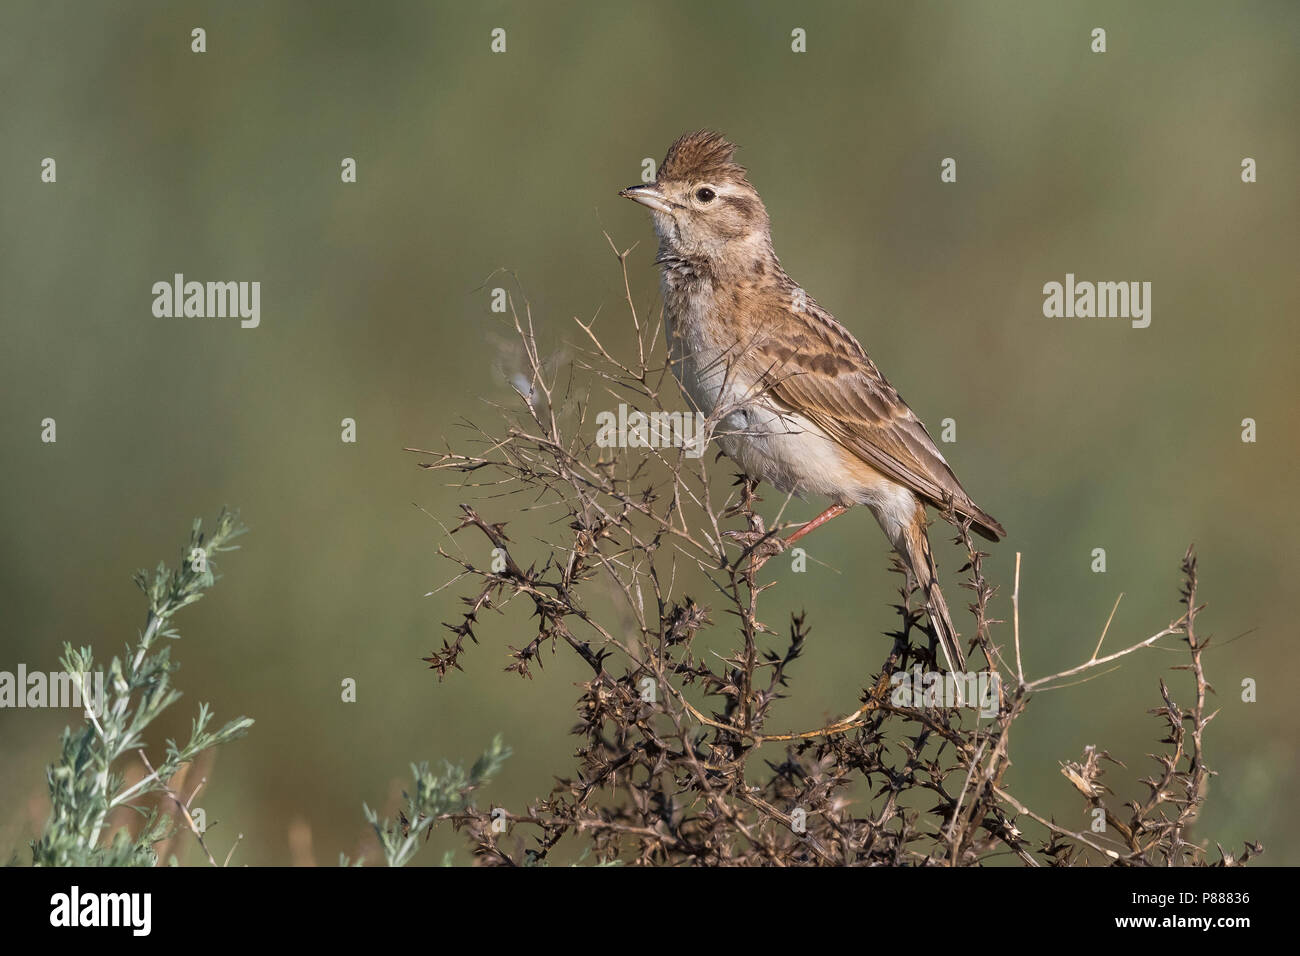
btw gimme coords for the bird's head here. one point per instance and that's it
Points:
(702, 203)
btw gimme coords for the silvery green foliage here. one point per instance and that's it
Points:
(86, 784)
(434, 796)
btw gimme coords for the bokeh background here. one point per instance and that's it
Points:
(1076, 434)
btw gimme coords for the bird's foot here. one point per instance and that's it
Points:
(761, 545)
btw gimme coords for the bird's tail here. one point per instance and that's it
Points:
(916, 547)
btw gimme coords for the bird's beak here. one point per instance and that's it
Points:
(648, 195)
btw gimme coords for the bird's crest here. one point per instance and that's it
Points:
(703, 155)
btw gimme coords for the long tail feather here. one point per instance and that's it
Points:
(921, 560)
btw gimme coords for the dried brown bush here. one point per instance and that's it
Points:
(660, 781)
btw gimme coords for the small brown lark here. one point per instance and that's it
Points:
(797, 401)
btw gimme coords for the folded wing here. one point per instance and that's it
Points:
(833, 382)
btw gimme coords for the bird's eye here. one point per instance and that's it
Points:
(704, 194)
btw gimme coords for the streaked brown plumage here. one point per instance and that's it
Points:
(799, 402)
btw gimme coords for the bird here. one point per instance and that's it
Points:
(794, 398)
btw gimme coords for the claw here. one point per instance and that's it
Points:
(760, 545)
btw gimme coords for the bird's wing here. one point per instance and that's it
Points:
(814, 366)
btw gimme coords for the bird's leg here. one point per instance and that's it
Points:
(766, 547)
(834, 511)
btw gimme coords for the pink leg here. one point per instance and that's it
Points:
(834, 511)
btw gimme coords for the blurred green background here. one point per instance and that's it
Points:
(1076, 434)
